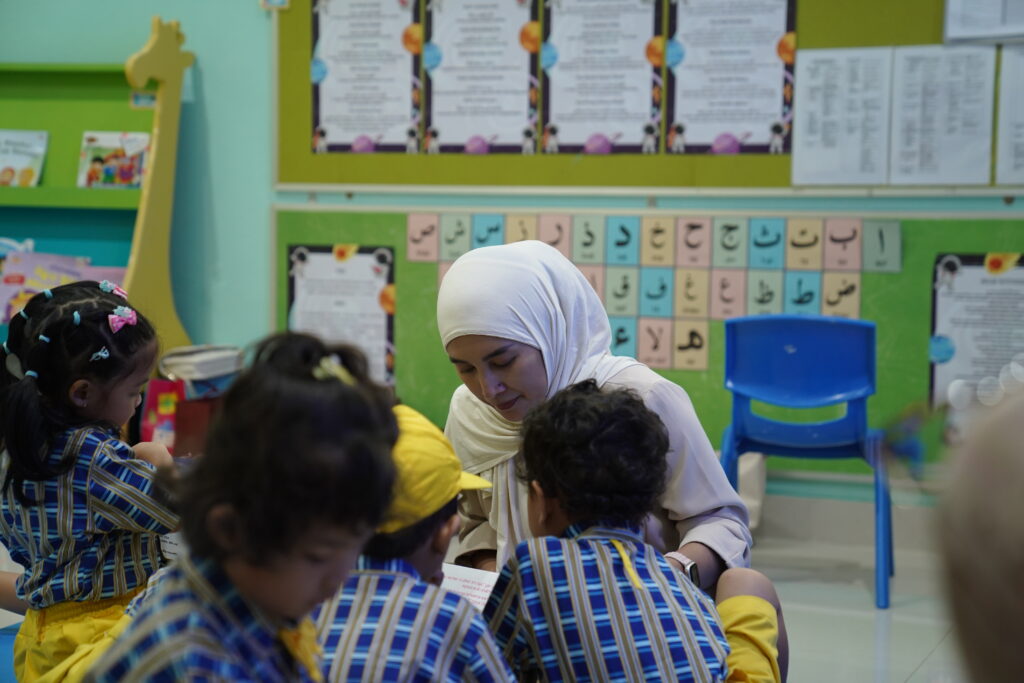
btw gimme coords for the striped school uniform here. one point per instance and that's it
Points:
(87, 547)
(387, 624)
(193, 624)
(598, 604)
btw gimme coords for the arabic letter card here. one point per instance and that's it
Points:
(422, 237)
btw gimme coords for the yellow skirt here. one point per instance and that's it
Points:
(752, 629)
(60, 642)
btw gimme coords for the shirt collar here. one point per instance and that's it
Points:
(395, 565)
(604, 529)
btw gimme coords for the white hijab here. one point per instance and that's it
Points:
(530, 293)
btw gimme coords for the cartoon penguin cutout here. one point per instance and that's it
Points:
(528, 146)
(649, 144)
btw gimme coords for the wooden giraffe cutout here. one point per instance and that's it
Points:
(148, 280)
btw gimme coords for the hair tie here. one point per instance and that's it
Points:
(330, 368)
(76, 316)
(48, 294)
(111, 288)
(121, 316)
(44, 338)
(23, 314)
(32, 373)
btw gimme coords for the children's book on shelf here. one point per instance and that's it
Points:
(111, 159)
(21, 157)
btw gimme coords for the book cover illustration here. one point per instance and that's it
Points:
(113, 159)
(21, 157)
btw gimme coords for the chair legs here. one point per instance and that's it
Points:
(883, 525)
(730, 458)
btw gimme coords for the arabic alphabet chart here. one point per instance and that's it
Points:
(422, 243)
(654, 342)
(658, 239)
(690, 345)
(554, 229)
(660, 276)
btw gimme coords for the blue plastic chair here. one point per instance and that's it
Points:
(808, 361)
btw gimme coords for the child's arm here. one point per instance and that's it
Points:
(154, 453)
(123, 493)
(9, 599)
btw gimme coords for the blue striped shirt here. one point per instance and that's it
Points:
(95, 534)
(193, 624)
(600, 605)
(386, 624)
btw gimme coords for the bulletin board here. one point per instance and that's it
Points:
(898, 300)
(819, 24)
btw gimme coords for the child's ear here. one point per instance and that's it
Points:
(222, 525)
(80, 392)
(443, 536)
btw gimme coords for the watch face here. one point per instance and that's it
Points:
(694, 574)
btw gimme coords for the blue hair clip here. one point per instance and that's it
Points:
(48, 294)
(23, 314)
(77, 318)
(44, 338)
(32, 373)
(102, 354)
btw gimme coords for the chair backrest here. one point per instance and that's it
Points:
(800, 361)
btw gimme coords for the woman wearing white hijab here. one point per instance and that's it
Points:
(520, 322)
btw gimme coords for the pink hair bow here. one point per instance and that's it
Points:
(121, 316)
(113, 288)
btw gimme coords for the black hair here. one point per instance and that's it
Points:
(405, 542)
(551, 128)
(97, 159)
(62, 335)
(679, 128)
(649, 129)
(601, 453)
(289, 450)
(411, 133)
(527, 132)
(777, 128)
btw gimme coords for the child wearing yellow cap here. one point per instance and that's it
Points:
(390, 621)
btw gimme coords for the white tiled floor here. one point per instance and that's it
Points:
(837, 636)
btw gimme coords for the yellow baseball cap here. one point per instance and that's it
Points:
(429, 472)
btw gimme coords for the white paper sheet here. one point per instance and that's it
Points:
(942, 115)
(988, 20)
(482, 85)
(473, 584)
(600, 85)
(339, 301)
(1010, 133)
(731, 77)
(841, 123)
(365, 92)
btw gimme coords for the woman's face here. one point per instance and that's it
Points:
(502, 373)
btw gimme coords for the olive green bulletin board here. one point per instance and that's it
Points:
(899, 303)
(819, 24)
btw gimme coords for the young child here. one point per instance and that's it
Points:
(981, 543)
(389, 623)
(586, 599)
(78, 507)
(296, 474)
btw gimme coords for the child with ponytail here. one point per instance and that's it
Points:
(78, 506)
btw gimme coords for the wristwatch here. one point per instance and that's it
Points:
(689, 566)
